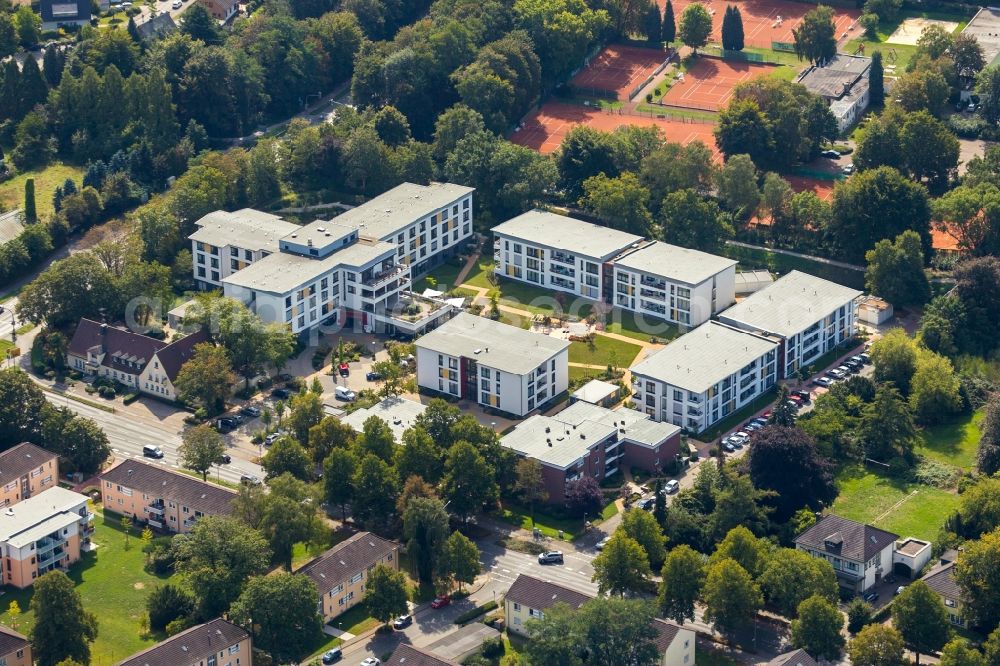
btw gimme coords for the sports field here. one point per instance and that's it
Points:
(821, 188)
(708, 83)
(544, 129)
(767, 21)
(618, 69)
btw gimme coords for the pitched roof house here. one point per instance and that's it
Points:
(138, 361)
(794, 658)
(216, 642)
(408, 655)
(860, 554)
(941, 579)
(26, 470)
(15, 650)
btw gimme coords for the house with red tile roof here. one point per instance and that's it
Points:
(140, 362)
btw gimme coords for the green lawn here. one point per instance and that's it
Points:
(908, 509)
(604, 351)
(444, 276)
(576, 372)
(542, 301)
(953, 443)
(4, 346)
(751, 259)
(784, 73)
(639, 327)
(304, 552)
(46, 181)
(547, 524)
(708, 657)
(112, 584)
(903, 51)
(477, 276)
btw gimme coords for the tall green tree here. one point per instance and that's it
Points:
(935, 390)
(791, 576)
(375, 487)
(691, 220)
(730, 595)
(817, 628)
(683, 575)
(460, 559)
(63, 628)
(622, 203)
(530, 484)
(652, 23)
(30, 213)
(732, 29)
(921, 618)
(643, 528)
(958, 652)
(876, 81)
(978, 575)
(206, 378)
(338, 478)
(425, 528)
(886, 430)
(988, 454)
(201, 447)
(468, 480)
(877, 645)
(280, 613)
(896, 270)
(622, 566)
(385, 593)
(669, 30)
(695, 26)
(816, 36)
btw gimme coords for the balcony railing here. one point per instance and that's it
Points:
(155, 523)
(385, 276)
(656, 284)
(155, 509)
(563, 258)
(51, 559)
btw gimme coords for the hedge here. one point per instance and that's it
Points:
(476, 612)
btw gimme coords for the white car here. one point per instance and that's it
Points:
(672, 486)
(602, 543)
(836, 373)
(177, 4)
(371, 661)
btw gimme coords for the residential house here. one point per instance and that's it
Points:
(589, 440)
(399, 413)
(15, 649)
(64, 13)
(157, 26)
(941, 579)
(355, 269)
(499, 366)
(141, 363)
(651, 278)
(528, 598)
(704, 376)
(221, 10)
(794, 658)
(162, 498)
(409, 655)
(843, 81)
(44, 532)
(214, 643)
(25, 471)
(810, 315)
(860, 554)
(340, 573)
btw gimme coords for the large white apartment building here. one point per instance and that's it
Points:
(356, 267)
(705, 375)
(680, 285)
(810, 315)
(652, 278)
(494, 364)
(559, 252)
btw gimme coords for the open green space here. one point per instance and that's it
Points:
(639, 327)
(46, 182)
(908, 509)
(953, 443)
(541, 301)
(903, 52)
(477, 277)
(708, 657)
(113, 586)
(604, 351)
(549, 524)
(751, 258)
(443, 277)
(578, 373)
(4, 346)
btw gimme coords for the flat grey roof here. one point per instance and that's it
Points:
(246, 228)
(595, 391)
(400, 413)
(835, 77)
(492, 343)
(37, 516)
(637, 427)
(11, 225)
(675, 263)
(702, 358)
(553, 442)
(383, 216)
(282, 272)
(790, 305)
(566, 233)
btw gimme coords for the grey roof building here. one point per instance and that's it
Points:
(675, 263)
(216, 642)
(568, 234)
(794, 658)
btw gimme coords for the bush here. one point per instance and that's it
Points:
(130, 398)
(473, 613)
(166, 604)
(493, 648)
(859, 613)
(160, 556)
(965, 126)
(649, 98)
(179, 625)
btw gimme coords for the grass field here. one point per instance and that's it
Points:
(540, 301)
(903, 51)
(576, 372)
(953, 443)
(4, 346)
(624, 322)
(46, 181)
(112, 584)
(477, 276)
(444, 275)
(908, 509)
(604, 351)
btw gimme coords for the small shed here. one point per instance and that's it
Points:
(749, 282)
(175, 318)
(596, 392)
(875, 311)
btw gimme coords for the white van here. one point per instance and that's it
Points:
(150, 451)
(345, 394)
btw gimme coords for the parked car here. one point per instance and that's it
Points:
(150, 451)
(344, 369)
(551, 557)
(847, 170)
(899, 590)
(823, 381)
(750, 427)
(805, 396)
(602, 543)
(672, 486)
(871, 597)
(373, 376)
(345, 394)
(225, 424)
(280, 393)
(249, 480)
(729, 447)
(177, 4)
(742, 436)
(845, 369)
(858, 359)
(837, 373)
(224, 459)
(271, 439)
(760, 420)
(251, 411)
(831, 154)
(332, 655)
(402, 622)
(646, 504)
(441, 601)
(371, 661)
(866, 357)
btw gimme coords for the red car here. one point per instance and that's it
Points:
(344, 369)
(441, 601)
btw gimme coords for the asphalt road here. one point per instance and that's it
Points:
(128, 435)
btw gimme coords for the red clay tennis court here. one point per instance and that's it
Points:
(820, 187)
(544, 129)
(618, 70)
(709, 83)
(768, 21)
